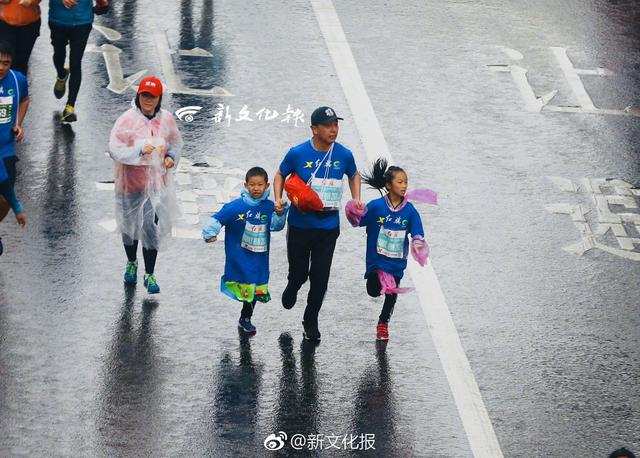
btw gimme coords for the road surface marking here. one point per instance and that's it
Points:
(603, 192)
(464, 388)
(573, 78)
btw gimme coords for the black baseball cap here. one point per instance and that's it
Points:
(323, 115)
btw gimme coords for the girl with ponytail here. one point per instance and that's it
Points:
(389, 221)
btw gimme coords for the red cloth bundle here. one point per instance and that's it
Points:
(302, 195)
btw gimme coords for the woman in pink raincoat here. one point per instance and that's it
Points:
(145, 144)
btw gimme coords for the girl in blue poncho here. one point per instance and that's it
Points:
(249, 221)
(389, 221)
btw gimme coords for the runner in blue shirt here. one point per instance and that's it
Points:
(311, 237)
(389, 221)
(249, 221)
(14, 101)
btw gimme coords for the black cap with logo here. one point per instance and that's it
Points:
(323, 115)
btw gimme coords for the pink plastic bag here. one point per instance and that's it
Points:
(419, 250)
(426, 196)
(354, 212)
(388, 284)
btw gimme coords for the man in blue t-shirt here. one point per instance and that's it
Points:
(14, 101)
(311, 237)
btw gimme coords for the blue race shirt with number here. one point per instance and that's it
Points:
(9, 102)
(387, 236)
(247, 239)
(304, 159)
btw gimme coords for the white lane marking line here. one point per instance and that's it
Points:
(464, 388)
(629, 111)
(573, 78)
(111, 54)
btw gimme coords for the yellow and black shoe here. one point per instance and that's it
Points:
(69, 114)
(61, 85)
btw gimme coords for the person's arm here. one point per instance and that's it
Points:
(355, 183)
(22, 111)
(278, 187)
(285, 168)
(419, 246)
(119, 148)
(174, 143)
(211, 230)
(214, 225)
(415, 225)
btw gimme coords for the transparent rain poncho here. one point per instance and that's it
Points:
(146, 205)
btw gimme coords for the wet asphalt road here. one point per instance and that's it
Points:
(89, 368)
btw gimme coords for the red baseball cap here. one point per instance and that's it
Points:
(152, 85)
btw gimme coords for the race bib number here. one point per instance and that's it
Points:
(255, 237)
(6, 109)
(391, 243)
(329, 190)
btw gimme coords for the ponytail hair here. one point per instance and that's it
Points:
(381, 173)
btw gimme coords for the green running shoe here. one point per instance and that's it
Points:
(151, 284)
(131, 273)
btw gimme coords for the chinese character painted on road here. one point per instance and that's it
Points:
(610, 218)
(534, 103)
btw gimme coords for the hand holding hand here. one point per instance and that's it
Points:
(22, 219)
(211, 239)
(279, 206)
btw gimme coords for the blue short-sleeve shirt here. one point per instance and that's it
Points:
(304, 159)
(13, 90)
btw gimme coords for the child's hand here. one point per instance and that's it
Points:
(211, 239)
(168, 162)
(18, 131)
(22, 219)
